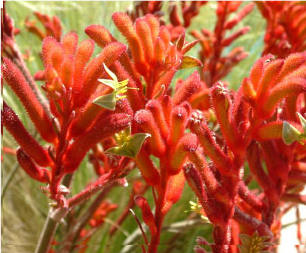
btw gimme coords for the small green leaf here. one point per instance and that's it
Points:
(119, 151)
(190, 62)
(110, 73)
(130, 145)
(290, 133)
(303, 122)
(254, 243)
(108, 82)
(106, 101)
(245, 239)
(136, 142)
(243, 249)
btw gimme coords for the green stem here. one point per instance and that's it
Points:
(50, 226)
(46, 235)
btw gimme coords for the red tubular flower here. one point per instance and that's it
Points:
(269, 131)
(285, 32)
(213, 43)
(261, 177)
(92, 72)
(40, 174)
(157, 111)
(144, 33)
(103, 37)
(145, 121)
(277, 167)
(178, 124)
(213, 186)
(188, 10)
(52, 26)
(70, 43)
(82, 56)
(272, 81)
(200, 128)
(174, 190)
(195, 182)
(142, 8)
(186, 145)
(100, 130)
(125, 26)
(25, 140)
(37, 113)
(221, 104)
(87, 118)
(100, 35)
(187, 89)
(147, 168)
(290, 87)
(147, 214)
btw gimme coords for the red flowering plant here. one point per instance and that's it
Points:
(120, 111)
(285, 31)
(215, 65)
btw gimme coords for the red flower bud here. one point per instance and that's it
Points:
(147, 214)
(267, 79)
(146, 122)
(174, 190)
(52, 53)
(213, 187)
(147, 168)
(100, 130)
(82, 56)
(153, 23)
(160, 50)
(20, 86)
(207, 141)
(70, 42)
(229, 40)
(290, 87)
(156, 108)
(125, 26)
(261, 177)
(178, 124)
(165, 36)
(144, 33)
(258, 68)
(187, 89)
(95, 68)
(187, 144)
(40, 174)
(221, 103)
(269, 131)
(100, 35)
(25, 140)
(292, 63)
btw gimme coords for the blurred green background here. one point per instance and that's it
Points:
(24, 206)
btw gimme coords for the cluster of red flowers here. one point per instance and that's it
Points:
(286, 29)
(121, 107)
